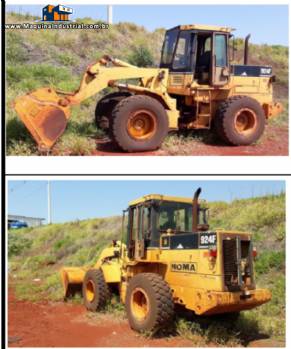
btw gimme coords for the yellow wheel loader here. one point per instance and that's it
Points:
(169, 256)
(195, 87)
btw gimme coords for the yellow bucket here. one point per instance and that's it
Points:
(43, 115)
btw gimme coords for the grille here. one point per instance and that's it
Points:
(177, 80)
(237, 263)
(230, 264)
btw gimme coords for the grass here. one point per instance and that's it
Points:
(283, 118)
(37, 254)
(182, 143)
(54, 58)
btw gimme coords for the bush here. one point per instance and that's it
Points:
(67, 59)
(17, 244)
(37, 73)
(62, 243)
(35, 263)
(268, 260)
(141, 56)
(15, 52)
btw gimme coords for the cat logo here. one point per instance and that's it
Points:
(183, 267)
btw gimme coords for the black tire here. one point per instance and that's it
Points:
(156, 293)
(105, 106)
(240, 120)
(95, 290)
(143, 115)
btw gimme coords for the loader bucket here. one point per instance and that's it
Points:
(72, 280)
(43, 116)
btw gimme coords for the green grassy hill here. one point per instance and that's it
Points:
(39, 253)
(37, 58)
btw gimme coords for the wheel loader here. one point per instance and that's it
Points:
(168, 257)
(195, 87)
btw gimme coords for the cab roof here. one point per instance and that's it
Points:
(160, 197)
(213, 28)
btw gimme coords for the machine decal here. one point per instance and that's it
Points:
(251, 70)
(189, 241)
(183, 267)
(186, 241)
(207, 239)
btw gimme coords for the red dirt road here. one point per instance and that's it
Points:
(56, 324)
(273, 142)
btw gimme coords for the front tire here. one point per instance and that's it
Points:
(139, 123)
(240, 120)
(105, 106)
(149, 303)
(95, 290)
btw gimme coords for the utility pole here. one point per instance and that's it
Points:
(109, 14)
(49, 218)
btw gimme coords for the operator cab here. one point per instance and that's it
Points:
(198, 50)
(154, 215)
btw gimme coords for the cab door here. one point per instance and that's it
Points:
(220, 71)
(138, 231)
(182, 67)
(139, 250)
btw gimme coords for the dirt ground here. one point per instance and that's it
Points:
(273, 142)
(58, 324)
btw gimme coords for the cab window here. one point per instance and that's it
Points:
(176, 216)
(220, 50)
(134, 224)
(182, 57)
(169, 47)
(146, 222)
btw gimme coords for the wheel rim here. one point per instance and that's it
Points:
(90, 291)
(142, 124)
(139, 304)
(245, 121)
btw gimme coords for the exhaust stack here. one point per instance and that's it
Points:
(195, 211)
(246, 51)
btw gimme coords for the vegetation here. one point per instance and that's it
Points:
(37, 254)
(37, 58)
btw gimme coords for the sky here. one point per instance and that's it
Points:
(266, 23)
(72, 200)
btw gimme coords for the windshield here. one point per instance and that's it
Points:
(176, 216)
(169, 46)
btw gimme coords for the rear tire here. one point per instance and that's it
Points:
(149, 303)
(139, 123)
(105, 106)
(95, 290)
(240, 120)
